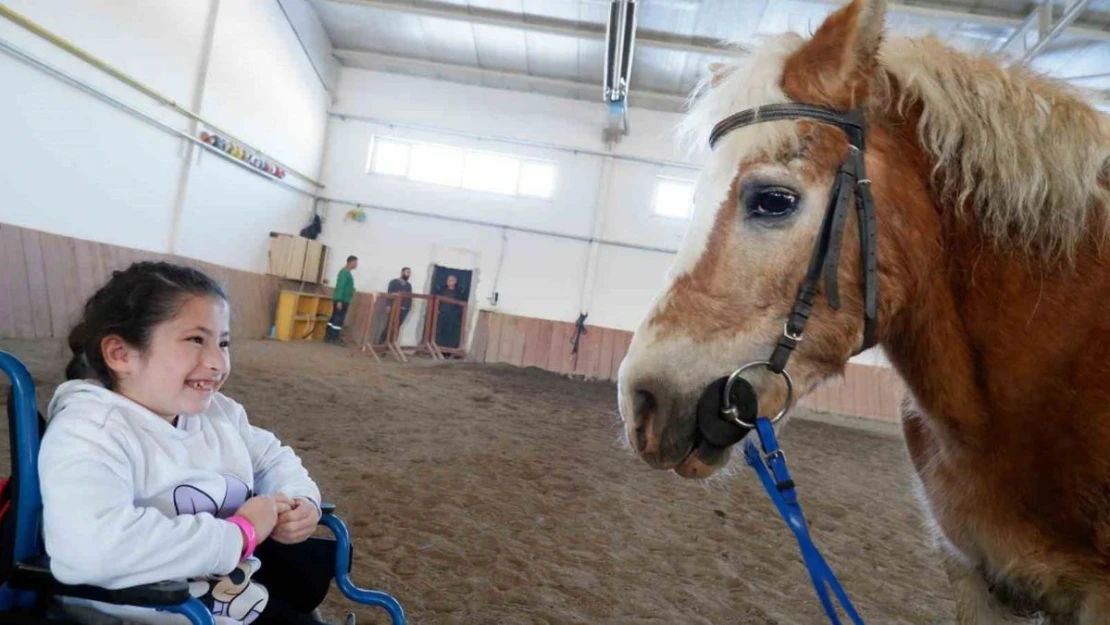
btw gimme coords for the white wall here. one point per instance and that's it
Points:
(496, 112)
(628, 206)
(541, 275)
(73, 165)
(313, 38)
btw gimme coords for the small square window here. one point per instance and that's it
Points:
(673, 198)
(537, 179)
(389, 157)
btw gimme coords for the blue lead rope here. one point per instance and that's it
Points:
(772, 471)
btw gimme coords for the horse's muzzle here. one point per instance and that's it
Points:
(716, 431)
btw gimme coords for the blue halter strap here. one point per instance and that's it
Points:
(771, 467)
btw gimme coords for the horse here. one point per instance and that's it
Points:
(990, 186)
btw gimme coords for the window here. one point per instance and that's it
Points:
(456, 167)
(389, 157)
(537, 179)
(491, 172)
(674, 198)
(436, 164)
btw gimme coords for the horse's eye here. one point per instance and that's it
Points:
(771, 202)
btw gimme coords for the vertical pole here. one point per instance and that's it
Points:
(191, 149)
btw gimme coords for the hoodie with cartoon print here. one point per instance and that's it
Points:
(129, 498)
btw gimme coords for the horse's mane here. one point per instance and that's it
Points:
(1026, 154)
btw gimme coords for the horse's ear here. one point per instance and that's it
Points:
(835, 67)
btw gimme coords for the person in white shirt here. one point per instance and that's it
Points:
(149, 473)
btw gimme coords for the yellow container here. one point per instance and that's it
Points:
(302, 316)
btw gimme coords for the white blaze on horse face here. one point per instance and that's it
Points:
(756, 251)
(765, 263)
(733, 283)
(755, 84)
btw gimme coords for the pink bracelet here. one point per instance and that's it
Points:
(250, 539)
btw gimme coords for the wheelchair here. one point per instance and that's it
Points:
(26, 585)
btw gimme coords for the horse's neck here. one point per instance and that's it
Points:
(998, 347)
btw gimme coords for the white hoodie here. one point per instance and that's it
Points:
(130, 499)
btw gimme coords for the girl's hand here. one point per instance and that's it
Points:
(262, 512)
(284, 503)
(296, 524)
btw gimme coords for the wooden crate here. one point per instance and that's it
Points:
(313, 262)
(296, 258)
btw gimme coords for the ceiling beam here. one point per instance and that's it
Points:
(1036, 18)
(368, 59)
(376, 60)
(1085, 77)
(699, 45)
(1070, 15)
(549, 26)
(927, 9)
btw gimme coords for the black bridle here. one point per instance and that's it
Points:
(729, 408)
(734, 399)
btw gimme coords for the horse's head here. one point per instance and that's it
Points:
(759, 207)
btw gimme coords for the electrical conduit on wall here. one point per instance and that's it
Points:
(589, 274)
(99, 64)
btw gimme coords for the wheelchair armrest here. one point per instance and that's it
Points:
(327, 508)
(35, 575)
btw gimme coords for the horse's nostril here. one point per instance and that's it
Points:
(643, 405)
(643, 409)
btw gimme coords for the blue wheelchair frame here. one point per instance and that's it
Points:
(30, 576)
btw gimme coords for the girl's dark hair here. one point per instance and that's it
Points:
(129, 306)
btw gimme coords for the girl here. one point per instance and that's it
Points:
(149, 473)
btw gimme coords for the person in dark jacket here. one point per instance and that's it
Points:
(398, 285)
(449, 325)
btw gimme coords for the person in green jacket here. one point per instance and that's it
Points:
(341, 300)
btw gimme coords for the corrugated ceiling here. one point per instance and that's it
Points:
(557, 46)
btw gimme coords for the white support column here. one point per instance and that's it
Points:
(191, 151)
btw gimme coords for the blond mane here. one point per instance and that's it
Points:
(1027, 155)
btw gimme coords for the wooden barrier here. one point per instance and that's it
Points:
(864, 391)
(438, 302)
(46, 278)
(380, 329)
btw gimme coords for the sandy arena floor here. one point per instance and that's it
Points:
(485, 494)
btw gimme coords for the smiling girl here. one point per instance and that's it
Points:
(148, 472)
